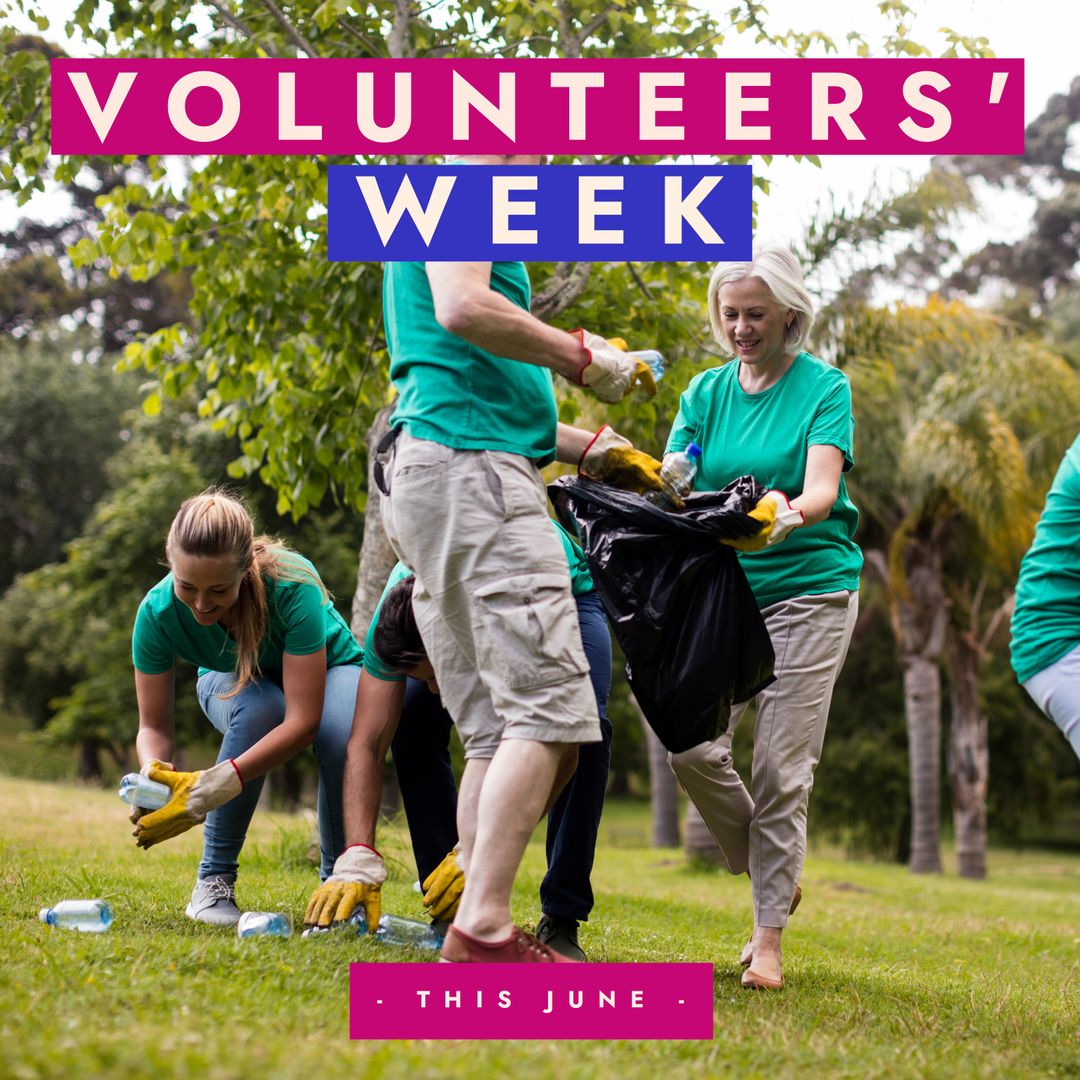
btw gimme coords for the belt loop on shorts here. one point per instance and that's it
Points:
(384, 456)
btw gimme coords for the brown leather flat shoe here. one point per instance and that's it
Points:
(752, 980)
(747, 957)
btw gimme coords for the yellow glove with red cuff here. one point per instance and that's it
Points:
(194, 795)
(777, 516)
(608, 371)
(443, 887)
(357, 879)
(613, 460)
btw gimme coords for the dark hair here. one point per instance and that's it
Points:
(397, 637)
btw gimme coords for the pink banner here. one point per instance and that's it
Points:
(531, 1001)
(654, 106)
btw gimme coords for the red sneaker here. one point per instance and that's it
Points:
(518, 948)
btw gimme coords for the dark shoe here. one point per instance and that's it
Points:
(518, 948)
(560, 935)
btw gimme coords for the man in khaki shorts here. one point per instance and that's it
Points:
(467, 512)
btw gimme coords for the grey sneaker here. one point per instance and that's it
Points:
(560, 935)
(213, 901)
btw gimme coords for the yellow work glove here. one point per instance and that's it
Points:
(608, 371)
(138, 811)
(357, 879)
(443, 887)
(613, 459)
(194, 795)
(777, 517)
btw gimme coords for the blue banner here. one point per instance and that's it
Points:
(541, 213)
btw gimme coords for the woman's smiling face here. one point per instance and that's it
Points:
(208, 584)
(754, 321)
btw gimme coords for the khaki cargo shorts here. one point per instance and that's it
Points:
(492, 597)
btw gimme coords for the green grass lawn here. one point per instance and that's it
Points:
(888, 974)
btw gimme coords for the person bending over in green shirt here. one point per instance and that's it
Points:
(783, 415)
(278, 669)
(1045, 644)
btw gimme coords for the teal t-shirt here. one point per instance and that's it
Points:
(299, 622)
(453, 392)
(1046, 619)
(580, 582)
(768, 435)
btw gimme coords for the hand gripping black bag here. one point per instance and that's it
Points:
(678, 600)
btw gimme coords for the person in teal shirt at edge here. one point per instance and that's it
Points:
(784, 416)
(1045, 646)
(278, 669)
(399, 705)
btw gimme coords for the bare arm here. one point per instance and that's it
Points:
(570, 443)
(378, 710)
(155, 739)
(467, 305)
(821, 483)
(303, 679)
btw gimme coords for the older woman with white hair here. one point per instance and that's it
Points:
(783, 415)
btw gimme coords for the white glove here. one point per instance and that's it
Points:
(610, 373)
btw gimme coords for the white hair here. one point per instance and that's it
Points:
(774, 265)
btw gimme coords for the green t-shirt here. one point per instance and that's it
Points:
(1046, 619)
(455, 393)
(768, 435)
(580, 582)
(299, 622)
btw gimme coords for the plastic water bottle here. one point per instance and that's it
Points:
(654, 359)
(88, 916)
(397, 930)
(141, 791)
(677, 475)
(393, 930)
(264, 924)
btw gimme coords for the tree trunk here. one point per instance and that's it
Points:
(700, 844)
(89, 762)
(377, 557)
(922, 706)
(663, 788)
(920, 617)
(969, 755)
(376, 560)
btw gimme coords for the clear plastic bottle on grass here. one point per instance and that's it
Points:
(677, 475)
(141, 791)
(87, 916)
(264, 924)
(393, 930)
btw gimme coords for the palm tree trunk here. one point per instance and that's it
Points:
(920, 618)
(968, 756)
(700, 844)
(922, 707)
(663, 788)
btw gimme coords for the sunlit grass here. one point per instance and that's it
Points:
(888, 974)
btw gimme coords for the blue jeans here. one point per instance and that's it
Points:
(421, 750)
(243, 720)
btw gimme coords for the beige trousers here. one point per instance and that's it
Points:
(492, 598)
(763, 831)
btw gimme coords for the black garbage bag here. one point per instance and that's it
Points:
(678, 600)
